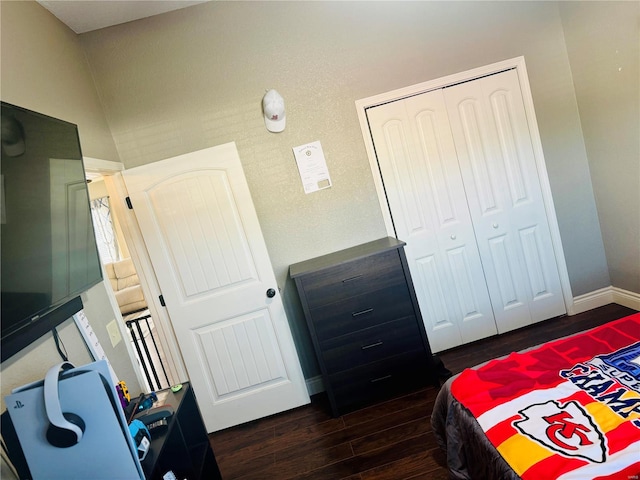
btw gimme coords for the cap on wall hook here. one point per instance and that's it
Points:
(273, 109)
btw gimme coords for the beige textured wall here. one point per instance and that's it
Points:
(194, 78)
(603, 42)
(44, 69)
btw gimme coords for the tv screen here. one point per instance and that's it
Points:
(49, 253)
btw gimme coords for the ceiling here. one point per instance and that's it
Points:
(86, 15)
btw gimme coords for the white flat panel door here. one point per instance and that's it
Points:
(422, 181)
(498, 168)
(199, 225)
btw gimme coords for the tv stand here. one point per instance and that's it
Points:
(182, 447)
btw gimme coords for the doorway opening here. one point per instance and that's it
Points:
(124, 280)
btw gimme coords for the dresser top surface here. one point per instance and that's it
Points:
(346, 255)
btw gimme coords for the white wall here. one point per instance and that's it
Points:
(603, 43)
(44, 69)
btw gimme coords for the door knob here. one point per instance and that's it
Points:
(271, 293)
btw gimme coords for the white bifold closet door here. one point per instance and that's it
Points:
(460, 176)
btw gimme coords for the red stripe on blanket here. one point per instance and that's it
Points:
(503, 431)
(632, 472)
(617, 439)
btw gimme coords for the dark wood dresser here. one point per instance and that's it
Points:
(363, 315)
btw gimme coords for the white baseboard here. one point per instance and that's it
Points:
(314, 385)
(605, 296)
(626, 298)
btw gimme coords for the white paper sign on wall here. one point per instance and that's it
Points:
(312, 167)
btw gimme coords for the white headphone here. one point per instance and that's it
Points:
(65, 429)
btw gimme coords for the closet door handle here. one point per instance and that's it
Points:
(362, 312)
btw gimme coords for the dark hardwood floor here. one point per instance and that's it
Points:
(391, 440)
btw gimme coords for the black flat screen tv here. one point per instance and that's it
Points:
(49, 253)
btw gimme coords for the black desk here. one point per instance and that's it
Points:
(183, 446)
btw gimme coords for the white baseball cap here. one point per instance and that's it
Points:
(274, 114)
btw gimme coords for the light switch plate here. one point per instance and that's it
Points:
(114, 333)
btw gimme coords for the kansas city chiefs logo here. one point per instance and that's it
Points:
(568, 430)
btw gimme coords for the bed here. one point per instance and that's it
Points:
(568, 409)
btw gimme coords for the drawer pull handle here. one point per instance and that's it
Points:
(376, 344)
(351, 279)
(386, 377)
(362, 312)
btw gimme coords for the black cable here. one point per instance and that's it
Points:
(56, 338)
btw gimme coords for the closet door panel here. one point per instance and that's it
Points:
(527, 213)
(498, 167)
(444, 190)
(418, 163)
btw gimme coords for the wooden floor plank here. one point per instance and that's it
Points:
(422, 465)
(372, 459)
(366, 414)
(391, 435)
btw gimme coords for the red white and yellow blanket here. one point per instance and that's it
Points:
(569, 409)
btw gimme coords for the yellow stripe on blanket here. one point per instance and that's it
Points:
(522, 452)
(606, 419)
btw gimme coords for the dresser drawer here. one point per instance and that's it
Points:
(360, 312)
(364, 320)
(359, 386)
(352, 278)
(371, 344)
